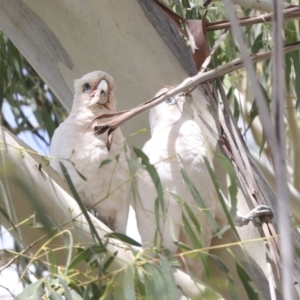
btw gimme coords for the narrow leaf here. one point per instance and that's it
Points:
(105, 162)
(197, 197)
(129, 291)
(246, 280)
(80, 203)
(124, 238)
(153, 174)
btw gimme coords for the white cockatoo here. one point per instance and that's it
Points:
(177, 143)
(107, 186)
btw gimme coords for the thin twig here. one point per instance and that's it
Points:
(261, 5)
(187, 84)
(288, 13)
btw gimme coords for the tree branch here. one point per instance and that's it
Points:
(262, 5)
(188, 83)
(288, 13)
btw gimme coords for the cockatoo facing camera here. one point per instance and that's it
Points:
(106, 189)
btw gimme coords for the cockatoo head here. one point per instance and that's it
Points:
(171, 110)
(94, 91)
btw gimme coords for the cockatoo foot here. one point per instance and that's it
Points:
(255, 216)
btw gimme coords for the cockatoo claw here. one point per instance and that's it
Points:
(255, 216)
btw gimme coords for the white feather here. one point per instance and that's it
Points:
(106, 188)
(176, 142)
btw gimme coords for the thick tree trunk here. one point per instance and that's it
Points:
(64, 40)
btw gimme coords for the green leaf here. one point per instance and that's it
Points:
(254, 109)
(153, 174)
(183, 246)
(81, 175)
(109, 261)
(68, 240)
(76, 296)
(109, 287)
(193, 237)
(296, 63)
(167, 270)
(6, 213)
(246, 280)
(105, 162)
(197, 197)
(140, 286)
(80, 203)
(258, 43)
(87, 291)
(157, 218)
(128, 284)
(233, 188)
(297, 251)
(86, 254)
(189, 211)
(159, 201)
(52, 261)
(155, 282)
(124, 238)
(232, 290)
(67, 292)
(55, 296)
(288, 70)
(30, 290)
(136, 164)
(217, 188)
(221, 266)
(97, 291)
(262, 145)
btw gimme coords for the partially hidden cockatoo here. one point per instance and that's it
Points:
(106, 189)
(177, 142)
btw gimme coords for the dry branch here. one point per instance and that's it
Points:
(288, 13)
(187, 84)
(262, 5)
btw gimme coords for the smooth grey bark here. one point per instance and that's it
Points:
(64, 41)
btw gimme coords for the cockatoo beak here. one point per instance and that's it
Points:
(101, 93)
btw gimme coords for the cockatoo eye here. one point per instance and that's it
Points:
(86, 87)
(171, 101)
